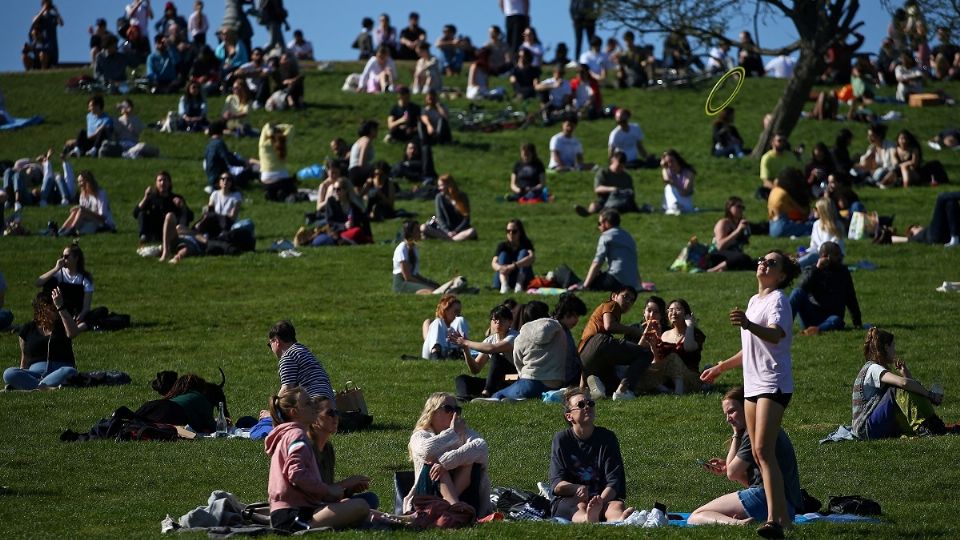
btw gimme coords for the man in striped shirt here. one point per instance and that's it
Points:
(298, 366)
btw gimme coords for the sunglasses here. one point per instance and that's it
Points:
(769, 263)
(455, 409)
(511, 231)
(583, 404)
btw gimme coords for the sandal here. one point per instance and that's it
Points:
(770, 529)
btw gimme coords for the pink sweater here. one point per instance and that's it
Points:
(294, 477)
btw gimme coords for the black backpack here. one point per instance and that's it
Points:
(853, 504)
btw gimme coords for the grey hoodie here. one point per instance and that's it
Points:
(540, 350)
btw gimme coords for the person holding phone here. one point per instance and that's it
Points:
(46, 346)
(450, 460)
(745, 506)
(766, 335)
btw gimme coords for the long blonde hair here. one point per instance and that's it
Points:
(434, 403)
(827, 212)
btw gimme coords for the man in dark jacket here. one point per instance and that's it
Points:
(825, 291)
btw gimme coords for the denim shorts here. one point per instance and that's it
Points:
(754, 501)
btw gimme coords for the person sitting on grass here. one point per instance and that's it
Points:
(437, 342)
(677, 351)
(158, 201)
(92, 214)
(222, 209)
(346, 220)
(278, 183)
(824, 292)
(747, 505)
(379, 193)
(452, 218)
(99, 130)
(192, 110)
(450, 460)
(299, 497)
(567, 312)
(179, 242)
(731, 234)
(887, 400)
(403, 122)
(677, 176)
(513, 262)
(602, 353)
(496, 349)
(539, 354)
(827, 228)
(566, 151)
(587, 475)
(46, 346)
(218, 159)
(788, 205)
(406, 263)
(379, 74)
(528, 180)
(617, 248)
(613, 187)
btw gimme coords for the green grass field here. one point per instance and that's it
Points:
(214, 312)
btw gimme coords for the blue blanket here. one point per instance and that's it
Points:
(17, 123)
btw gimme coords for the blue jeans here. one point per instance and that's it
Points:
(521, 275)
(809, 258)
(37, 374)
(6, 318)
(783, 227)
(522, 389)
(812, 315)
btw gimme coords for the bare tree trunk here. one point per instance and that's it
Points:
(795, 95)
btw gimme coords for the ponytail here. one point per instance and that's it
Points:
(875, 344)
(282, 405)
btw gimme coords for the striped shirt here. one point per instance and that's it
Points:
(299, 367)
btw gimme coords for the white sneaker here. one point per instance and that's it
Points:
(656, 518)
(638, 518)
(485, 400)
(518, 288)
(935, 145)
(626, 395)
(504, 288)
(597, 388)
(17, 207)
(954, 242)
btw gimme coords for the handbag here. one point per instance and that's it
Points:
(692, 258)
(351, 399)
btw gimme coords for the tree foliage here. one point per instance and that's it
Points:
(820, 24)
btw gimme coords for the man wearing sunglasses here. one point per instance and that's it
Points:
(586, 468)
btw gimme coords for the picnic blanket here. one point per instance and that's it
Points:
(17, 123)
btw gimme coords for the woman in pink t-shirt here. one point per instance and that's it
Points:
(765, 337)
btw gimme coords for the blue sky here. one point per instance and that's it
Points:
(331, 24)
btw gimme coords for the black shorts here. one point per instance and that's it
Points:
(777, 397)
(292, 519)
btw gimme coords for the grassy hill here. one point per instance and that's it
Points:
(214, 312)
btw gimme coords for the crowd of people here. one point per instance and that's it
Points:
(528, 350)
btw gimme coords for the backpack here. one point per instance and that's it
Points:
(853, 504)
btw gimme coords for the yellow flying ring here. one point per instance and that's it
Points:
(738, 71)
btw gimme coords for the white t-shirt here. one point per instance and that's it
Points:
(64, 276)
(514, 7)
(303, 50)
(780, 67)
(596, 61)
(222, 204)
(567, 148)
(437, 335)
(767, 367)
(401, 254)
(139, 16)
(99, 205)
(871, 382)
(626, 141)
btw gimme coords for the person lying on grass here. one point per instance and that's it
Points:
(747, 505)
(587, 475)
(450, 460)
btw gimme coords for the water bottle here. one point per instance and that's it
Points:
(221, 421)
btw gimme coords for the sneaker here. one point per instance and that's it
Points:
(952, 243)
(597, 388)
(657, 517)
(518, 288)
(17, 207)
(580, 210)
(485, 400)
(637, 518)
(504, 288)
(626, 395)
(935, 145)
(770, 529)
